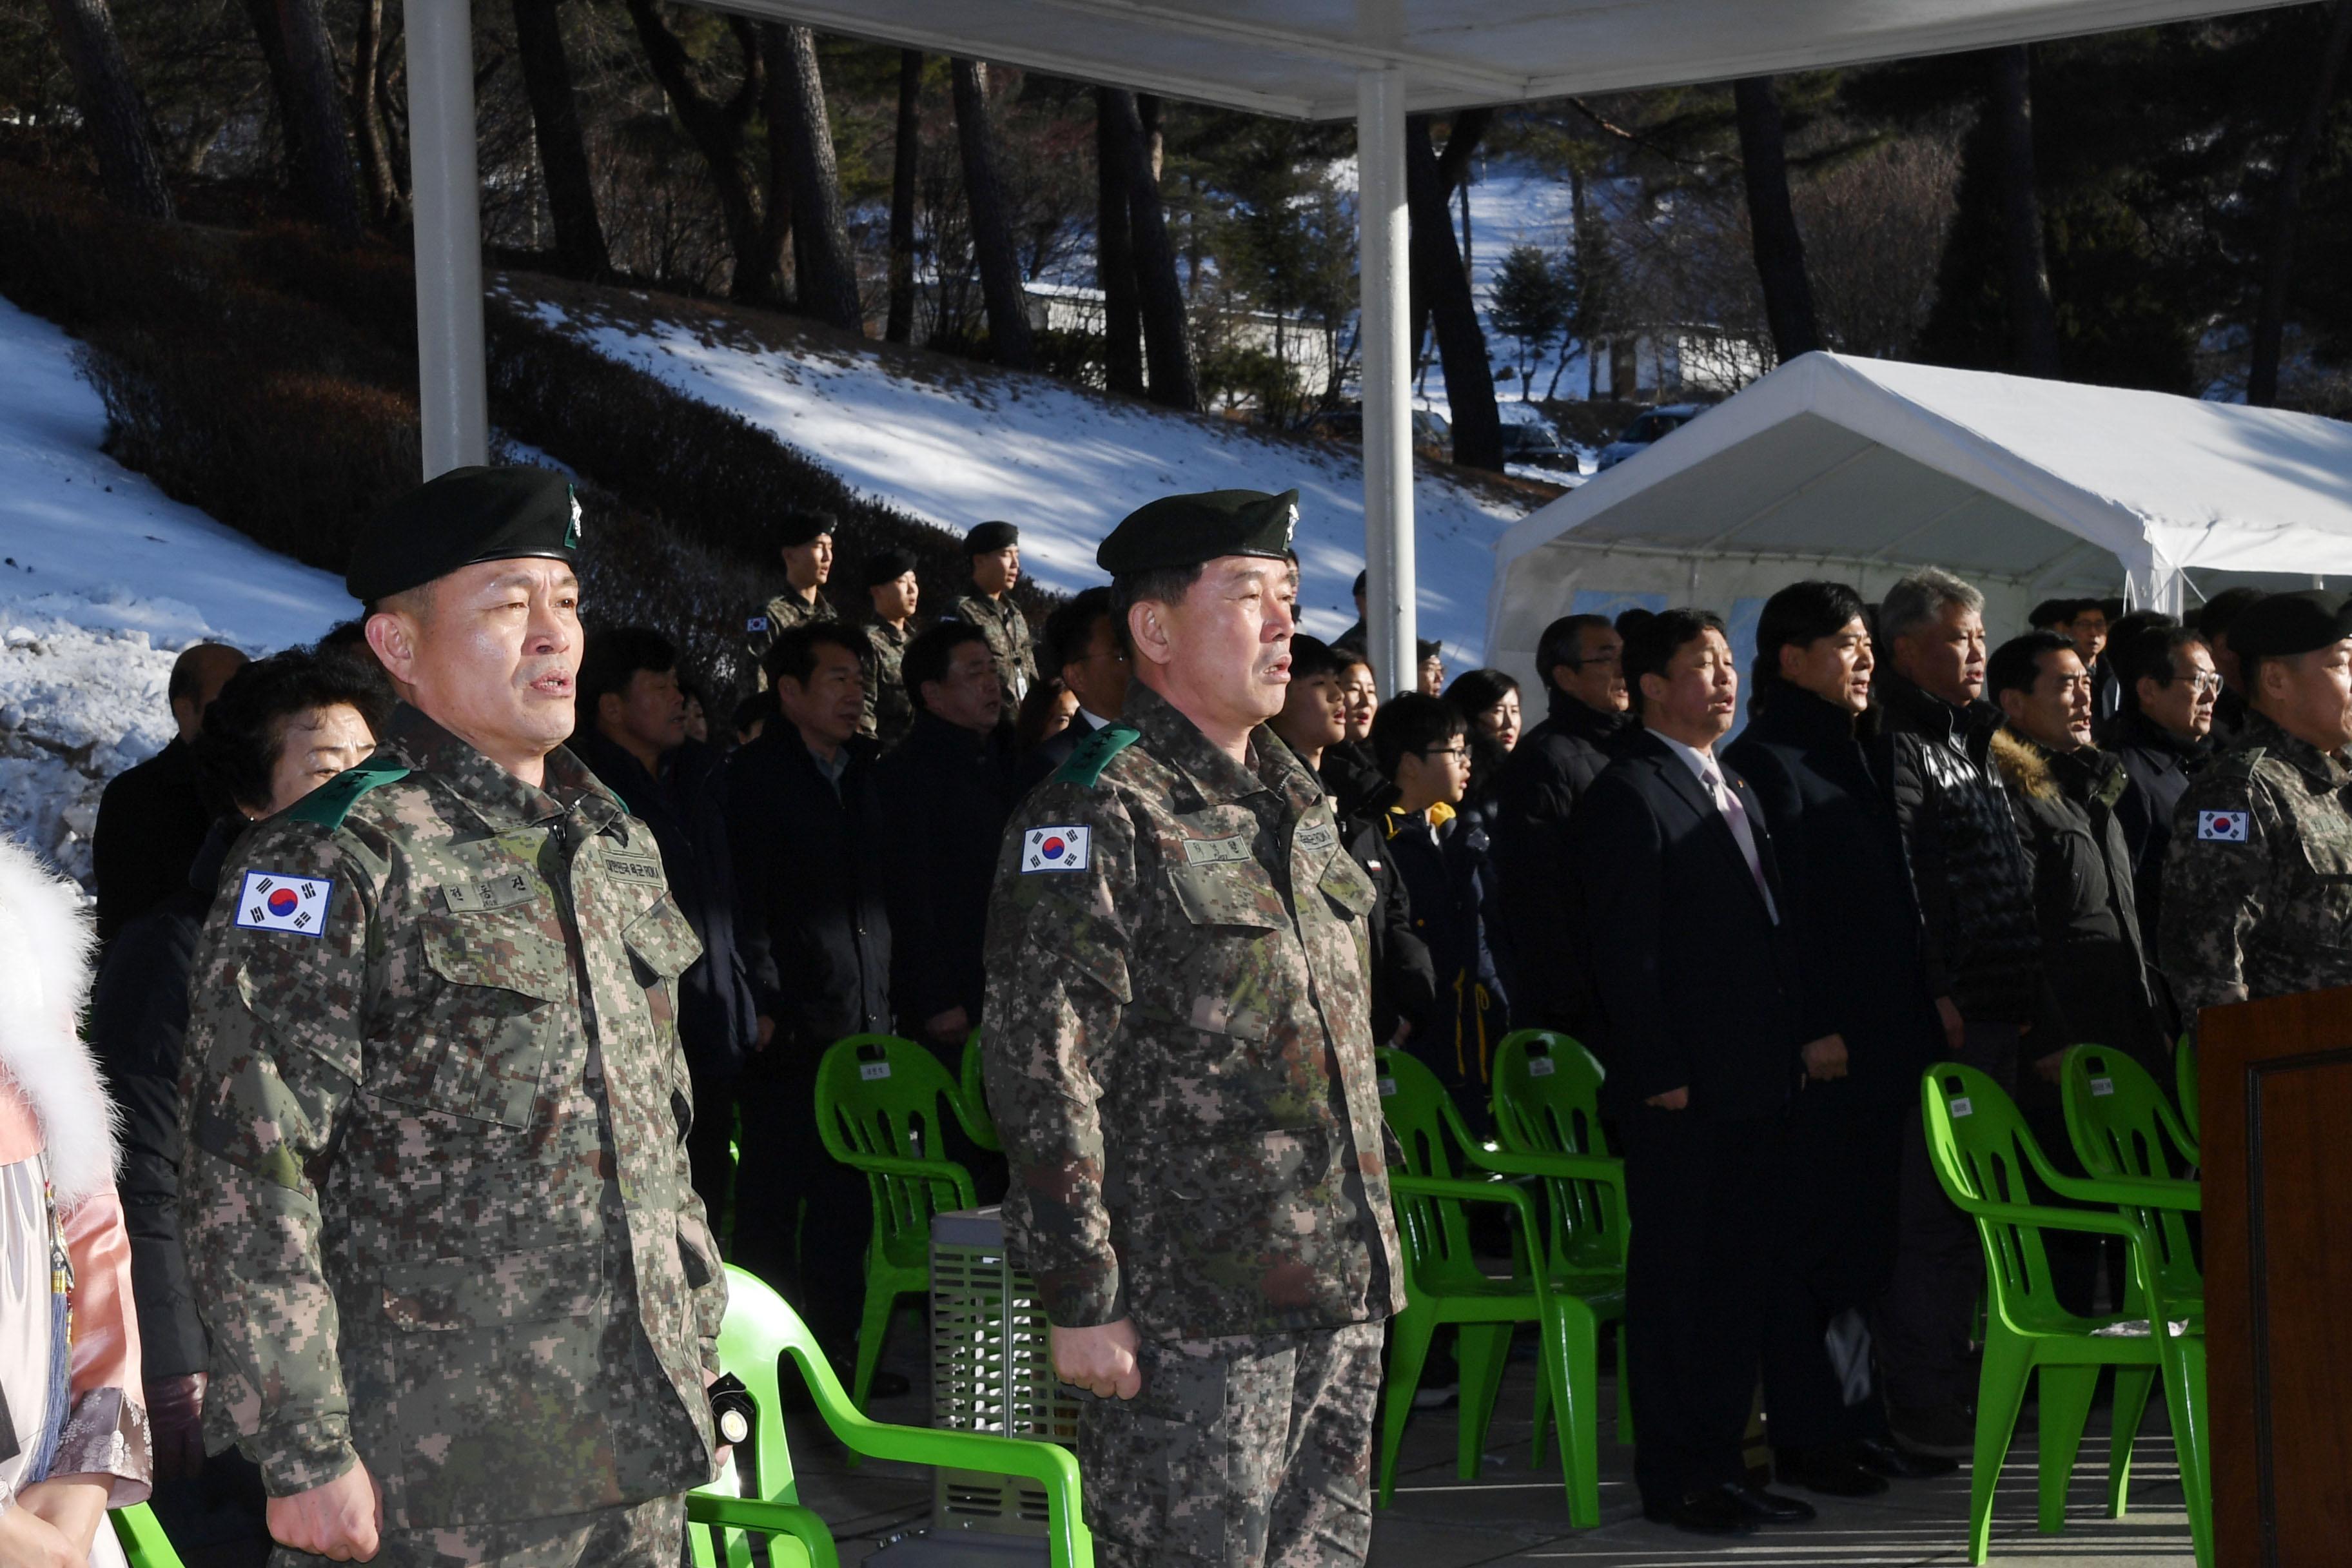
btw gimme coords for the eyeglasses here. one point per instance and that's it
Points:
(2204, 685)
(1458, 753)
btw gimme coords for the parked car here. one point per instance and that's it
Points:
(1648, 430)
(1538, 446)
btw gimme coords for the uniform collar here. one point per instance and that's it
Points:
(2265, 731)
(498, 798)
(1178, 741)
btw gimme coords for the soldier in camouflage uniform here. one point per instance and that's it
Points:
(1180, 1056)
(2258, 885)
(994, 551)
(460, 1296)
(804, 541)
(890, 584)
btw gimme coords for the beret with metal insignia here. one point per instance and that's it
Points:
(2281, 625)
(990, 537)
(464, 517)
(1186, 531)
(799, 527)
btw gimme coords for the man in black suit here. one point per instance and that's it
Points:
(1854, 924)
(153, 818)
(1579, 658)
(1697, 1017)
(1082, 645)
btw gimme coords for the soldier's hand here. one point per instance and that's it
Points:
(767, 1033)
(1101, 1359)
(1955, 1028)
(1673, 1099)
(339, 1520)
(950, 1026)
(1825, 1057)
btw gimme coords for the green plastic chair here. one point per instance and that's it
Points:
(142, 1538)
(1981, 1151)
(2184, 1084)
(760, 1329)
(1547, 1101)
(878, 1109)
(2121, 1125)
(1444, 1168)
(974, 1083)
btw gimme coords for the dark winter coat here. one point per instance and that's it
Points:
(1975, 889)
(2159, 766)
(1038, 765)
(945, 794)
(1352, 779)
(1695, 984)
(1549, 772)
(1404, 978)
(137, 1030)
(1853, 916)
(152, 820)
(817, 935)
(718, 1021)
(2064, 805)
(1456, 911)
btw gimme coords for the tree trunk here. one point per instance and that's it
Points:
(383, 198)
(1772, 224)
(2286, 213)
(1437, 262)
(903, 154)
(716, 132)
(2033, 319)
(1160, 295)
(1452, 169)
(1115, 164)
(991, 235)
(112, 111)
(301, 60)
(562, 153)
(821, 256)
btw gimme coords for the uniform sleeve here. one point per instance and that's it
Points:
(274, 1056)
(1618, 853)
(2217, 890)
(1058, 950)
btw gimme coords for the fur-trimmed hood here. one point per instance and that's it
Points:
(46, 946)
(2092, 774)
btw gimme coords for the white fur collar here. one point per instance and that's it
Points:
(45, 949)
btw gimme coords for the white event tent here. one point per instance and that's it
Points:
(1862, 469)
(1375, 60)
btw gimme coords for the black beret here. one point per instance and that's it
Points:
(990, 536)
(888, 566)
(2281, 625)
(1185, 531)
(799, 527)
(462, 517)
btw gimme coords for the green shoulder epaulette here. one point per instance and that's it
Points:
(1094, 754)
(331, 802)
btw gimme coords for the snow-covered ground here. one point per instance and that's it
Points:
(103, 579)
(957, 448)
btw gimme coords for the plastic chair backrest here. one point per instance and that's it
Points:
(878, 1094)
(974, 1084)
(759, 1327)
(2121, 1125)
(1977, 1141)
(1547, 1101)
(1428, 1129)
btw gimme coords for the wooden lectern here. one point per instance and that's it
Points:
(2275, 1096)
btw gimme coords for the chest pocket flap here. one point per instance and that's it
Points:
(662, 942)
(1347, 885)
(483, 1043)
(1234, 893)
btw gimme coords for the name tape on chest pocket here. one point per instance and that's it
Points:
(272, 901)
(1054, 848)
(1320, 837)
(1217, 851)
(2222, 827)
(496, 893)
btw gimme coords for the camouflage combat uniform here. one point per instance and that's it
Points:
(438, 1211)
(890, 711)
(783, 612)
(1007, 631)
(1180, 1056)
(2258, 884)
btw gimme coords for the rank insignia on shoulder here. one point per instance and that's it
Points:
(272, 901)
(1054, 849)
(2221, 827)
(756, 624)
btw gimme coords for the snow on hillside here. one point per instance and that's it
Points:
(103, 579)
(957, 446)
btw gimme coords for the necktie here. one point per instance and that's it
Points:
(1735, 815)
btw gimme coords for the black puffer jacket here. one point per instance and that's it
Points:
(1549, 772)
(1976, 890)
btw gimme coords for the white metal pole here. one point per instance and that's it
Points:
(1385, 235)
(452, 401)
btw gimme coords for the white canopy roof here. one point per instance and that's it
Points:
(1863, 469)
(1300, 56)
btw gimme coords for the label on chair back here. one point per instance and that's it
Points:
(1541, 1067)
(1388, 1088)
(1961, 1106)
(2103, 1086)
(873, 1071)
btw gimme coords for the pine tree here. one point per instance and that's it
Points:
(1532, 301)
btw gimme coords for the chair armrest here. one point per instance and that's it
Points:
(2132, 1192)
(1469, 1191)
(914, 1169)
(141, 1536)
(1606, 1169)
(766, 1518)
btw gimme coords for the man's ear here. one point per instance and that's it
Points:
(1146, 630)
(2012, 705)
(610, 706)
(392, 637)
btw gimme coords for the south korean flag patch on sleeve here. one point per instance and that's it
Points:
(2222, 827)
(272, 901)
(1054, 849)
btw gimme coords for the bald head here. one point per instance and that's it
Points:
(197, 676)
